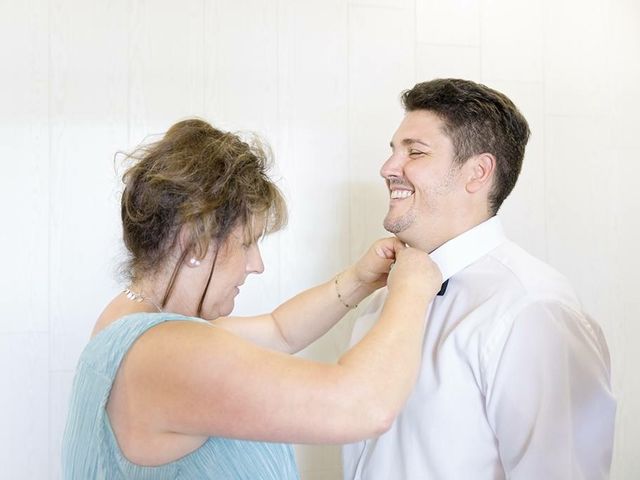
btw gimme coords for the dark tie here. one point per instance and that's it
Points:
(443, 288)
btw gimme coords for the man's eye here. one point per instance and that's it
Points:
(414, 153)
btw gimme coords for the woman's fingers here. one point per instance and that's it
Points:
(388, 247)
(415, 270)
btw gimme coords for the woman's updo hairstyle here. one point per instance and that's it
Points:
(204, 179)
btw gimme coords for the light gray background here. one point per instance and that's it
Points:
(320, 80)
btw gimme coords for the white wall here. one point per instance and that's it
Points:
(320, 80)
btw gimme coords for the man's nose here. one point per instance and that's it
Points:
(392, 167)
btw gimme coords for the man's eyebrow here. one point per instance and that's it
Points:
(409, 141)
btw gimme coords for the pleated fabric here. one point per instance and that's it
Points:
(90, 450)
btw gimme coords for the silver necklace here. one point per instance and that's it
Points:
(139, 297)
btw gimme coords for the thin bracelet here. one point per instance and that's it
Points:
(340, 296)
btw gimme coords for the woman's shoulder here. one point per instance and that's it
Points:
(140, 322)
(109, 344)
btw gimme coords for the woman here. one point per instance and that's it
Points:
(169, 387)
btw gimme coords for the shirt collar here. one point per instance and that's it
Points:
(463, 250)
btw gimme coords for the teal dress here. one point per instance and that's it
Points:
(90, 450)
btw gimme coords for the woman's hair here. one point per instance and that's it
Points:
(200, 178)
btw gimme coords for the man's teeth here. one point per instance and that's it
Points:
(401, 193)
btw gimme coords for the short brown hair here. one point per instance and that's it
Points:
(200, 177)
(478, 120)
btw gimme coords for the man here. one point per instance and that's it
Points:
(515, 378)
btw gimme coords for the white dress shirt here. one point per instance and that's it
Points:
(514, 380)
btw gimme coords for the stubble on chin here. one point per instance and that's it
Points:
(400, 224)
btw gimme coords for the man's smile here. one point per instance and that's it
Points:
(400, 193)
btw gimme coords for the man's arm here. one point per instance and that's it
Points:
(549, 399)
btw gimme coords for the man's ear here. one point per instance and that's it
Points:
(480, 170)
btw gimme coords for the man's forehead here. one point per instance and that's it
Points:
(418, 126)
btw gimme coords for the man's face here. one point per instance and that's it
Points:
(426, 189)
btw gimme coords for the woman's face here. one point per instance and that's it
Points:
(236, 259)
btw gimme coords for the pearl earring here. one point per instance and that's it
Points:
(194, 262)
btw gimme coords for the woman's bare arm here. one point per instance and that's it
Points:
(309, 315)
(196, 379)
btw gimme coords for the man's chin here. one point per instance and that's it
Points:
(397, 225)
(403, 234)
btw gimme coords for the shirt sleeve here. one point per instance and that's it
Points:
(549, 399)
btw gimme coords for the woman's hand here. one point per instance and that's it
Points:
(374, 266)
(414, 272)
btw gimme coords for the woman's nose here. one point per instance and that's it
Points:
(254, 262)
